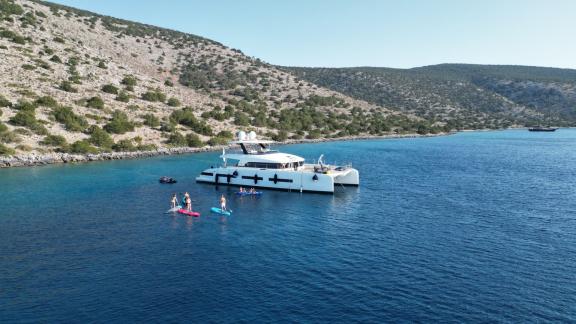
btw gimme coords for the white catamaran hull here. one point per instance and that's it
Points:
(296, 180)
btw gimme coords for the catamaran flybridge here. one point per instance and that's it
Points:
(261, 167)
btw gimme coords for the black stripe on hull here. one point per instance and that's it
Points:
(264, 187)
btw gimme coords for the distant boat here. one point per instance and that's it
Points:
(542, 129)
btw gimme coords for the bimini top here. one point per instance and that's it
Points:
(275, 157)
(254, 141)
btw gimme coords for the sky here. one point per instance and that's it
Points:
(385, 33)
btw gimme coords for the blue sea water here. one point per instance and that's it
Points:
(474, 227)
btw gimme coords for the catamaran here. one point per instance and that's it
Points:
(258, 166)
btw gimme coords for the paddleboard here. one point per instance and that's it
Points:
(175, 209)
(220, 211)
(257, 193)
(188, 213)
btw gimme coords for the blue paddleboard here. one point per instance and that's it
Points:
(220, 211)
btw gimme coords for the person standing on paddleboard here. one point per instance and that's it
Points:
(223, 203)
(188, 204)
(174, 201)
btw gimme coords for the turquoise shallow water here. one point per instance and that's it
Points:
(473, 227)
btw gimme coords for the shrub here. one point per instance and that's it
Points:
(173, 102)
(3, 128)
(102, 65)
(59, 40)
(27, 119)
(177, 139)
(5, 150)
(169, 83)
(9, 8)
(146, 147)
(151, 120)
(24, 105)
(55, 59)
(154, 96)
(71, 121)
(67, 86)
(123, 97)
(100, 137)
(281, 136)
(54, 140)
(4, 102)
(225, 134)
(217, 140)
(82, 147)
(95, 102)
(194, 140)
(129, 80)
(168, 127)
(124, 145)
(46, 101)
(28, 67)
(186, 117)
(109, 88)
(119, 124)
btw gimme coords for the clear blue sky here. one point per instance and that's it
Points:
(400, 33)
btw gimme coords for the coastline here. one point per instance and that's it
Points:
(39, 159)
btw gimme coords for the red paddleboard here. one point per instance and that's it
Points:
(189, 213)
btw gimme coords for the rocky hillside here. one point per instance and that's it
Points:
(462, 95)
(74, 81)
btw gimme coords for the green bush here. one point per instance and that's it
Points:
(8, 8)
(173, 102)
(119, 124)
(4, 102)
(55, 59)
(217, 140)
(177, 139)
(151, 120)
(186, 117)
(225, 134)
(154, 96)
(59, 40)
(169, 83)
(95, 102)
(54, 140)
(194, 140)
(109, 88)
(71, 121)
(14, 37)
(5, 150)
(27, 119)
(129, 80)
(67, 86)
(82, 147)
(102, 65)
(281, 136)
(46, 101)
(124, 145)
(28, 67)
(3, 128)
(24, 105)
(100, 137)
(123, 97)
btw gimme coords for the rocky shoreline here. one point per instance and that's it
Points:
(36, 159)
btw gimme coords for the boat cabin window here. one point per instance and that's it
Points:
(262, 165)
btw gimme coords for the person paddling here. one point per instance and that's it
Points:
(174, 200)
(223, 203)
(188, 204)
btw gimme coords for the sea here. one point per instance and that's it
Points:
(472, 227)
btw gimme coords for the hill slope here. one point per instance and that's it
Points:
(74, 81)
(465, 95)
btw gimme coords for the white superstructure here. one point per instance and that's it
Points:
(260, 167)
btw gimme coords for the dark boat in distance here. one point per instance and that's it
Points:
(542, 129)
